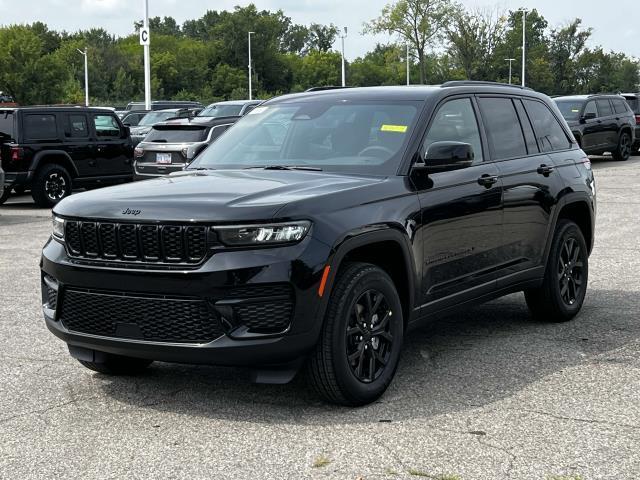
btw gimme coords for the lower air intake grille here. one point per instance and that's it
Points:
(159, 319)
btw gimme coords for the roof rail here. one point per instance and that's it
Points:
(320, 89)
(462, 83)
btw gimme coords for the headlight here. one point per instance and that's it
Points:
(273, 234)
(58, 227)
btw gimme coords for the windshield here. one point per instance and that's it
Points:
(221, 110)
(177, 135)
(155, 117)
(363, 137)
(570, 109)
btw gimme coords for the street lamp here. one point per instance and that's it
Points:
(510, 60)
(86, 76)
(250, 33)
(407, 64)
(524, 40)
(342, 37)
(144, 40)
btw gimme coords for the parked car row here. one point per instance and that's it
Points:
(50, 150)
(604, 123)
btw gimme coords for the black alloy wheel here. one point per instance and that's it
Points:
(624, 147)
(369, 339)
(570, 271)
(55, 186)
(358, 351)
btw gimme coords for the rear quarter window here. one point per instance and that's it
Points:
(40, 127)
(548, 131)
(620, 106)
(6, 125)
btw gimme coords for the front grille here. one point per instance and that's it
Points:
(137, 242)
(121, 315)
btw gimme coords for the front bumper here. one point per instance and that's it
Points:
(299, 266)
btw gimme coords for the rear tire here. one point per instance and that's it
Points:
(51, 184)
(5, 195)
(562, 293)
(623, 152)
(358, 352)
(118, 365)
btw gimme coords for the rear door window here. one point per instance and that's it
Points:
(40, 127)
(77, 126)
(604, 107)
(549, 133)
(503, 128)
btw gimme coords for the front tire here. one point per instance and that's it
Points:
(562, 293)
(623, 152)
(118, 365)
(51, 184)
(358, 352)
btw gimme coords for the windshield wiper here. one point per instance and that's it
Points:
(286, 167)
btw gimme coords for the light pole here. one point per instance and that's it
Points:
(86, 76)
(407, 64)
(342, 37)
(524, 41)
(147, 60)
(250, 33)
(510, 60)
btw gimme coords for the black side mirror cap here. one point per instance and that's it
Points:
(588, 116)
(446, 156)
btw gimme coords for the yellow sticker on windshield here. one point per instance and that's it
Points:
(394, 128)
(574, 110)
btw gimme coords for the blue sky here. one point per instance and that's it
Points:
(614, 28)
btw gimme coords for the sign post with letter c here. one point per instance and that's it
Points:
(144, 36)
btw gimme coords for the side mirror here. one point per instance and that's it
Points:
(127, 124)
(588, 116)
(127, 130)
(446, 156)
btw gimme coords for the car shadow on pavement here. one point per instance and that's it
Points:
(460, 362)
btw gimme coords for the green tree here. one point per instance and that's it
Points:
(565, 46)
(418, 22)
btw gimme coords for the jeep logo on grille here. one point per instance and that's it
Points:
(128, 211)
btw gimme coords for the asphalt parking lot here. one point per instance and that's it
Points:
(485, 394)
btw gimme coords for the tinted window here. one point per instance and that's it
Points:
(106, 126)
(77, 126)
(40, 127)
(367, 137)
(532, 146)
(155, 117)
(6, 124)
(217, 131)
(590, 108)
(634, 103)
(503, 128)
(549, 132)
(221, 110)
(455, 121)
(604, 107)
(570, 109)
(619, 106)
(176, 135)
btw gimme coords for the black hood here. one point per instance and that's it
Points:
(214, 196)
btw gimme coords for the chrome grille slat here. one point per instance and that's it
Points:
(137, 243)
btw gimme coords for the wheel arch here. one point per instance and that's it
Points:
(59, 157)
(578, 208)
(388, 248)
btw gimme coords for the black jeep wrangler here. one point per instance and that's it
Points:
(323, 227)
(50, 150)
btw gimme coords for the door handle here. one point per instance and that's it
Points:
(545, 170)
(487, 180)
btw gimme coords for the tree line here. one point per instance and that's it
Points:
(206, 58)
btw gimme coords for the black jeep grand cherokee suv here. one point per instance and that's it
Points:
(600, 123)
(50, 150)
(322, 228)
